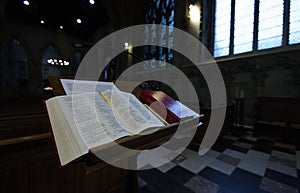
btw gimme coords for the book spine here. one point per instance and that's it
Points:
(52, 136)
(148, 99)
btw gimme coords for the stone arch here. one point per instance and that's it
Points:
(2, 9)
(47, 69)
(280, 81)
(45, 46)
(75, 60)
(15, 67)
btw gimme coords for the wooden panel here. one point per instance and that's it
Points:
(278, 109)
(275, 116)
(7, 181)
(32, 167)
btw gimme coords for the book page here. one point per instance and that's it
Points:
(131, 112)
(81, 86)
(92, 118)
(189, 113)
(68, 145)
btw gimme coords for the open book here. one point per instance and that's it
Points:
(84, 121)
(72, 86)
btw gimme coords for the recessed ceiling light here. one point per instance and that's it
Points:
(78, 20)
(25, 2)
(92, 2)
(61, 27)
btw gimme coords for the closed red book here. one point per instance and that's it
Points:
(173, 111)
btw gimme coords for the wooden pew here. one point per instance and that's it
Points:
(278, 117)
(28, 162)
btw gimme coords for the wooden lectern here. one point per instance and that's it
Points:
(102, 177)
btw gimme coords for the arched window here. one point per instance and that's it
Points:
(159, 12)
(15, 65)
(76, 61)
(47, 69)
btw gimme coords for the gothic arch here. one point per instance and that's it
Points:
(23, 42)
(2, 9)
(6, 45)
(75, 60)
(45, 47)
(47, 69)
(15, 60)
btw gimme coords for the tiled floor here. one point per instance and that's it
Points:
(234, 165)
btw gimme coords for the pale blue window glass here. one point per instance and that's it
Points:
(76, 61)
(270, 26)
(15, 64)
(222, 28)
(48, 69)
(159, 12)
(243, 26)
(294, 34)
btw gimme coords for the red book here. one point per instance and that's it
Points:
(173, 112)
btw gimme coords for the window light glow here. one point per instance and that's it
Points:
(222, 28)
(294, 32)
(42, 22)
(78, 20)
(61, 27)
(270, 24)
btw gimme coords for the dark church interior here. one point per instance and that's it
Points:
(254, 43)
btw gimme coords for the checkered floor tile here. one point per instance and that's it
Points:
(233, 165)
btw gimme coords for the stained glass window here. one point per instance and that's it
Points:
(270, 26)
(222, 27)
(242, 35)
(243, 26)
(159, 12)
(47, 69)
(76, 61)
(294, 34)
(15, 64)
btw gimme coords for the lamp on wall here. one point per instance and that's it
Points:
(194, 13)
(194, 17)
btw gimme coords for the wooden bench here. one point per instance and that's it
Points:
(28, 162)
(278, 117)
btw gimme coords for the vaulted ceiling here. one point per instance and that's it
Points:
(52, 14)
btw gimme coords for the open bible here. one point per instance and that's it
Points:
(84, 121)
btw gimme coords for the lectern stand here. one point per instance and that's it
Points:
(102, 177)
(99, 176)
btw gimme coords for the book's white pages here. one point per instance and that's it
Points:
(68, 143)
(81, 86)
(84, 121)
(131, 112)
